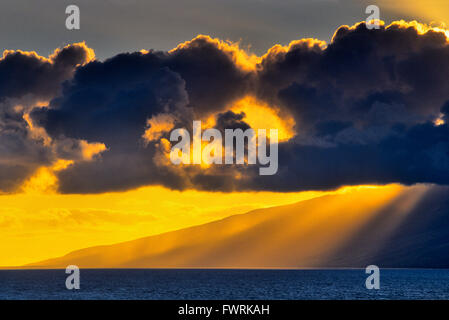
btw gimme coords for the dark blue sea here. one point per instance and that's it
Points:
(225, 284)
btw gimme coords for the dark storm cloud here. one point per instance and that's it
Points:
(420, 154)
(364, 107)
(26, 73)
(19, 154)
(27, 79)
(231, 120)
(111, 101)
(105, 100)
(361, 70)
(213, 79)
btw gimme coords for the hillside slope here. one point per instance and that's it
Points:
(390, 227)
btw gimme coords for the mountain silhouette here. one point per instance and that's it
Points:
(392, 226)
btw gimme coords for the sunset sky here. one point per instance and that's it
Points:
(85, 116)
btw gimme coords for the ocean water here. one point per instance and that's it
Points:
(225, 284)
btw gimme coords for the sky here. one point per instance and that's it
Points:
(85, 115)
(115, 26)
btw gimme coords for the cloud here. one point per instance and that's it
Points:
(361, 109)
(113, 102)
(26, 73)
(158, 125)
(364, 108)
(27, 80)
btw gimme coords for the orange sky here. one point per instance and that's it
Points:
(39, 223)
(428, 11)
(36, 225)
(308, 232)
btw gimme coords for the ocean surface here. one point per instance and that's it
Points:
(225, 284)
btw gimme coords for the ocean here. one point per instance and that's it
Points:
(168, 284)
